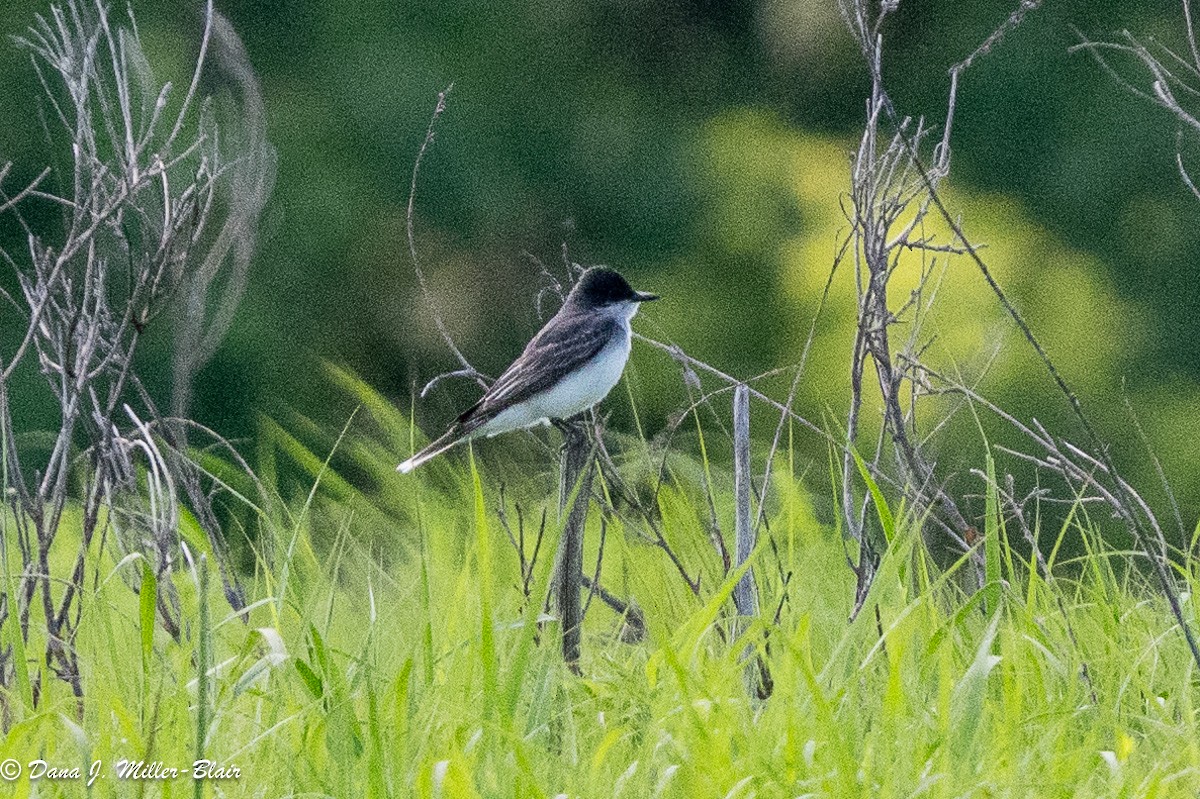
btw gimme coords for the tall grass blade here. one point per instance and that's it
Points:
(203, 660)
(886, 520)
(147, 597)
(967, 702)
(483, 561)
(991, 540)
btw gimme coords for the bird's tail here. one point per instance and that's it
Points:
(451, 438)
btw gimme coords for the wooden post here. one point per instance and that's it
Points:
(745, 593)
(575, 468)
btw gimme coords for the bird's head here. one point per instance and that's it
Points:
(600, 287)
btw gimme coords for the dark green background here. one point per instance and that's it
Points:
(579, 123)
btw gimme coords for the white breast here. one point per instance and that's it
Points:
(574, 393)
(585, 387)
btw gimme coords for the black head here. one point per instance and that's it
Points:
(598, 287)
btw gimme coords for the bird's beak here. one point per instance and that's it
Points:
(641, 297)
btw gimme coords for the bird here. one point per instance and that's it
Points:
(569, 366)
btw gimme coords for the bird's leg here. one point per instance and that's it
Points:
(571, 429)
(564, 427)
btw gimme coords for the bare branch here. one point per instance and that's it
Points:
(467, 368)
(137, 207)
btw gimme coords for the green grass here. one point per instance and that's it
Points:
(390, 652)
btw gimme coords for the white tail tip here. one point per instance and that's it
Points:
(432, 451)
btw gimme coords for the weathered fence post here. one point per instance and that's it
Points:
(575, 470)
(745, 593)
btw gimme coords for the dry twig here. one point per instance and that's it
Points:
(158, 212)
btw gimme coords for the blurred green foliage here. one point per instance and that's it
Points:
(702, 148)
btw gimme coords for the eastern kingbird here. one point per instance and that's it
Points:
(569, 366)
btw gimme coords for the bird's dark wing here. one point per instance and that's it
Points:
(566, 343)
